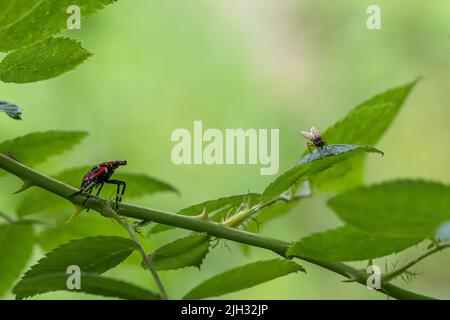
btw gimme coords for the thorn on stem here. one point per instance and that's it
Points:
(204, 215)
(26, 185)
(78, 210)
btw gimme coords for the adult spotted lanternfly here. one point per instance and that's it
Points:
(314, 139)
(100, 175)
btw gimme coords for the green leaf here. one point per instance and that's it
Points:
(83, 226)
(410, 208)
(217, 208)
(93, 255)
(243, 277)
(16, 247)
(46, 19)
(42, 60)
(49, 143)
(313, 164)
(137, 185)
(91, 283)
(188, 251)
(11, 110)
(364, 125)
(349, 244)
(13, 10)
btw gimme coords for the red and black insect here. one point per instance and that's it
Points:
(98, 176)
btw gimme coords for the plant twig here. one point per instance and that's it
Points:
(109, 212)
(245, 214)
(192, 223)
(398, 271)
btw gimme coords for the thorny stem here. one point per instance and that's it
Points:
(245, 214)
(109, 212)
(193, 223)
(397, 272)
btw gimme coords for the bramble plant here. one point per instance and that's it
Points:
(378, 220)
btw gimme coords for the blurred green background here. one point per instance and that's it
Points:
(159, 65)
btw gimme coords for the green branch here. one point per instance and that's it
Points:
(245, 213)
(109, 212)
(198, 224)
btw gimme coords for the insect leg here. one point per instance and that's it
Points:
(117, 194)
(309, 147)
(124, 186)
(118, 183)
(309, 144)
(89, 191)
(100, 188)
(120, 193)
(80, 191)
(326, 144)
(319, 150)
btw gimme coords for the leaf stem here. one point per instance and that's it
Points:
(192, 223)
(243, 215)
(109, 212)
(397, 272)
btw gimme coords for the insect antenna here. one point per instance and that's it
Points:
(257, 222)
(224, 244)
(226, 215)
(214, 242)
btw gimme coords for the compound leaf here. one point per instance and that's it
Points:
(13, 10)
(349, 244)
(409, 208)
(94, 255)
(42, 60)
(184, 252)
(364, 125)
(16, 247)
(31, 20)
(243, 277)
(49, 143)
(313, 164)
(84, 226)
(91, 283)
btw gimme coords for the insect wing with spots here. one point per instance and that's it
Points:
(100, 173)
(98, 176)
(93, 175)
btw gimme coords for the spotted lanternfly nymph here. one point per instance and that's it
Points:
(98, 176)
(314, 139)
